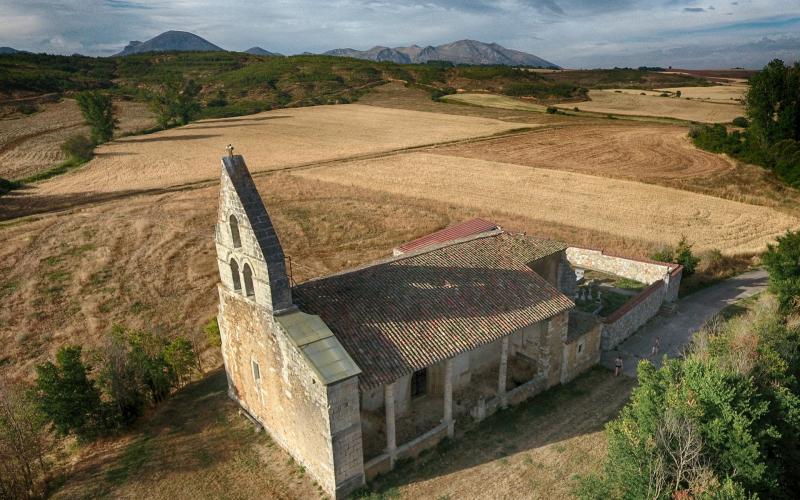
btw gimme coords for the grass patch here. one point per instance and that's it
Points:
(131, 462)
(61, 168)
(629, 284)
(739, 307)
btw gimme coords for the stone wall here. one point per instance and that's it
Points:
(287, 399)
(581, 353)
(345, 419)
(638, 270)
(557, 329)
(674, 284)
(631, 316)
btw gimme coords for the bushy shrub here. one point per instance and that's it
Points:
(7, 185)
(219, 100)
(211, 330)
(437, 94)
(783, 264)
(78, 148)
(681, 254)
(740, 121)
(551, 110)
(27, 108)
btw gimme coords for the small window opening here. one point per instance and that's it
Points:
(580, 347)
(419, 383)
(256, 371)
(248, 281)
(237, 281)
(237, 240)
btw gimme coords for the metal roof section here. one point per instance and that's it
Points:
(449, 234)
(319, 345)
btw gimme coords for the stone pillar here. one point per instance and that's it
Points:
(391, 443)
(448, 397)
(501, 379)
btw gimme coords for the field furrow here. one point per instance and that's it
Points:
(632, 210)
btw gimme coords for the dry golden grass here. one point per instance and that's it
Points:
(631, 210)
(31, 144)
(628, 151)
(493, 101)
(196, 445)
(608, 101)
(724, 94)
(275, 139)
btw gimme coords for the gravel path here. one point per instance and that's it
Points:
(676, 329)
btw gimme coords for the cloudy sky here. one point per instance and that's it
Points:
(574, 33)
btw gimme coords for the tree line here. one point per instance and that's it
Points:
(770, 135)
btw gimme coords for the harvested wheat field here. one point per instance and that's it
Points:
(626, 209)
(274, 139)
(493, 101)
(31, 144)
(725, 94)
(608, 101)
(640, 152)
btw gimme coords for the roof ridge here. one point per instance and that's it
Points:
(396, 258)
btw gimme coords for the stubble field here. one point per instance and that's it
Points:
(270, 140)
(627, 151)
(634, 104)
(626, 209)
(31, 144)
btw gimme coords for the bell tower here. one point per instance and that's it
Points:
(249, 254)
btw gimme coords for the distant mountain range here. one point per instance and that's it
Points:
(460, 52)
(170, 41)
(8, 50)
(258, 51)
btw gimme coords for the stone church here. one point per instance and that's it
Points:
(353, 371)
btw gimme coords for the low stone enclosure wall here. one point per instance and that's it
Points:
(664, 280)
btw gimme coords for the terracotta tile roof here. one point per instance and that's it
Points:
(412, 311)
(469, 228)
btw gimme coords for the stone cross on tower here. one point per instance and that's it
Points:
(229, 148)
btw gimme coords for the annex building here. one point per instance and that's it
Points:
(353, 371)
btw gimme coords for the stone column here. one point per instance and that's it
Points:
(391, 443)
(501, 379)
(448, 397)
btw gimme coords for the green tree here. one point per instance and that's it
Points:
(67, 397)
(98, 111)
(783, 264)
(121, 380)
(773, 103)
(147, 357)
(24, 442)
(176, 103)
(181, 359)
